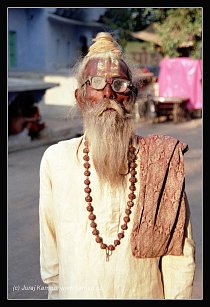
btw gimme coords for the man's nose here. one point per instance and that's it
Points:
(108, 92)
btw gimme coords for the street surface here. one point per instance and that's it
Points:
(24, 280)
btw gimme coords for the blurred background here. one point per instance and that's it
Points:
(164, 49)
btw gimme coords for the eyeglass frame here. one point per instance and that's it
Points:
(89, 79)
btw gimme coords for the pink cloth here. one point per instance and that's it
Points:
(181, 77)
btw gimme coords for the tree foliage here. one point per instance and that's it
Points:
(177, 27)
(124, 20)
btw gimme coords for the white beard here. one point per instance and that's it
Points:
(109, 133)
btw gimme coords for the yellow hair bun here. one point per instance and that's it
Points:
(104, 42)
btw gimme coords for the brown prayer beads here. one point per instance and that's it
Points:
(132, 158)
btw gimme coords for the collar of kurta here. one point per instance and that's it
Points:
(160, 216)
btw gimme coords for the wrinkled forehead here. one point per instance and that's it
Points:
(108, 67)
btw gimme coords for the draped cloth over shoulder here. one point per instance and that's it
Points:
(160, 217)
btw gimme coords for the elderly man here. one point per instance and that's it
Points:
(114, 217)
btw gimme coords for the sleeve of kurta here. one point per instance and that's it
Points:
(178, 271)
(48, 248)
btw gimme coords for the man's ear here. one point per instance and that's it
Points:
(79, 98)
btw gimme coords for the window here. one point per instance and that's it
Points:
(12, 49)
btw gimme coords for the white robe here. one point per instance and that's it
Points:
(72, 264)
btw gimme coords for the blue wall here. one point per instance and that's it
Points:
(47, 45)
(60, 45)
(30, 27)
(63, 39)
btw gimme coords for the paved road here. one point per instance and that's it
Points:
(24, 280)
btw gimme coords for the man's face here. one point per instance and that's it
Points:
(107, 115)
(109, 69)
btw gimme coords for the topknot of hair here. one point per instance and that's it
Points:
(104, 42)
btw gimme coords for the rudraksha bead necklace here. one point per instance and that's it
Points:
(132, 166)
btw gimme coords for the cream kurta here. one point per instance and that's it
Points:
(70, 257)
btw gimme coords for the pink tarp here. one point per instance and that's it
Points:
(181, 77)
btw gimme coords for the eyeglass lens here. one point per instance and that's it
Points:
(118, 85)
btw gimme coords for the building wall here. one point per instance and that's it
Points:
(29, 25)
(58, 45)
(92, 14)
(42, 44)
(63, 39)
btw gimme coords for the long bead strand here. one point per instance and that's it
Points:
(132, 163)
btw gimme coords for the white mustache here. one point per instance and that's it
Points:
(111, 104)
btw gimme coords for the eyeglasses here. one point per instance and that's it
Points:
(117, 84)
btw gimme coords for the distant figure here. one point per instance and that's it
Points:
(24, 114)
(144, 56)
(34, 123)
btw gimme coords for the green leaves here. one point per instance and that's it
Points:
(178, 28)
(181, 28)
